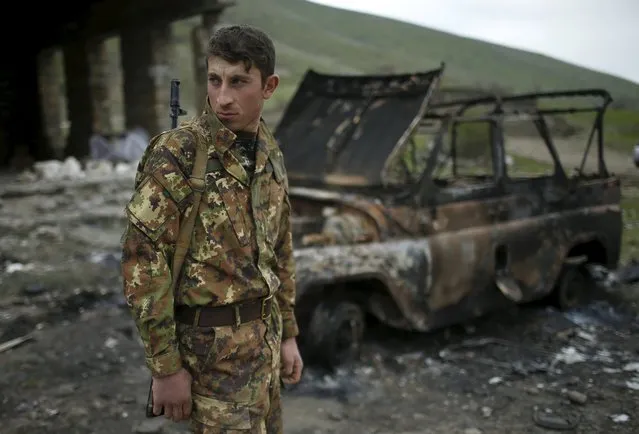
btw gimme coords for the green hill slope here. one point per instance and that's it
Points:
(334, 40)
(308, 35)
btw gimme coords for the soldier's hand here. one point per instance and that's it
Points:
(173, 393)
(291, 369)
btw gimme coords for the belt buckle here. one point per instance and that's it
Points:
(196, 317)
(263, 315)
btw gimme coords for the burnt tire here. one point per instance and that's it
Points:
(335, 333)
(574, 287)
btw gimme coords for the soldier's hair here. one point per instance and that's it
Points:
(244, 43)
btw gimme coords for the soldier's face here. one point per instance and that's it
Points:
(237, 96)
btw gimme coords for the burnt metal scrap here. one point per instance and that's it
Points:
(413, 233)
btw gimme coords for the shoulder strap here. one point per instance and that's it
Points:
(186, 229)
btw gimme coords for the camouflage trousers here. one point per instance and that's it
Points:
(236, 376)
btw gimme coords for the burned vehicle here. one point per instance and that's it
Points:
(392, 221)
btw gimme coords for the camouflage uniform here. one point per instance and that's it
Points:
(241, 250)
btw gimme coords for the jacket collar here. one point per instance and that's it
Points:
(222, 139)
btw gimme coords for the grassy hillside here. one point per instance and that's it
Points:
(333, 40)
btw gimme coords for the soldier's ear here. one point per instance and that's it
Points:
(270, 85)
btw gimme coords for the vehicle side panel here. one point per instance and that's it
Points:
(403, 267)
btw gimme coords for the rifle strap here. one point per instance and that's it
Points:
(186, 229)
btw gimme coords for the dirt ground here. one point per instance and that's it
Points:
(80, 369)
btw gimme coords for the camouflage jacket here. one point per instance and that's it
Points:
(241, 246)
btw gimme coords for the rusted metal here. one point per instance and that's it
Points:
(343, 127)
(427, 252)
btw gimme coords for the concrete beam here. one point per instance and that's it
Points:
(106, 18)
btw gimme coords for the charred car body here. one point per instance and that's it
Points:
(390, 221)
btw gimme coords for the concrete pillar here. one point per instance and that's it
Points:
(79, 104)
(146, 59)
(101, 88)
(21, 118)
(199, 41)
(52, 98)
(116, 93)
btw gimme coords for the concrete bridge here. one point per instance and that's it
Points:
(59, 82)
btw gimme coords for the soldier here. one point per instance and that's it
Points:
(217, 347)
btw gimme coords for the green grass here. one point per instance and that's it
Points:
(330, 40)
(338, 41)
(522, 166)
(621, 127)
(309, 35)
(630, 236)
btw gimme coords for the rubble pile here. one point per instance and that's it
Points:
(72, 169)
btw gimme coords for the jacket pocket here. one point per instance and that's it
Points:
(236, 200)
(276, 203)
(150, 208)
(222, 227)
(197, 345)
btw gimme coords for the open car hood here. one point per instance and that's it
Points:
(342, 129)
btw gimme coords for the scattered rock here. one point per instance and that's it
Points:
(111, 343)
(78, 412)
(65, 389)
(576, 397)
(27, 176)
(532, 390)
(150, 426)
(49, 233)
(586, 336)
(569, 355)
(550, 420)
(33, 289)
(52, 412)
(70, 168)
(123, 168)
(634, 385)
(633, 367)
(13, 267)
(99, 167)
(495, 380)
(47, 204)
(336, 415)
(620, 418)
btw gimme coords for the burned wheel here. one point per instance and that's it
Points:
(574, 287)
(335, 333)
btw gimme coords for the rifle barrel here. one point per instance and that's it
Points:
(175, 102)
